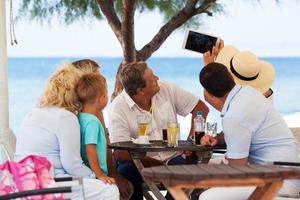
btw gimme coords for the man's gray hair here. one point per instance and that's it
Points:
(132, 77)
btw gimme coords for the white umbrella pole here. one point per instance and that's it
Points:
(4, 124)
(7, 138)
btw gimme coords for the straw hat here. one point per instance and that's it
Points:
(246, 69)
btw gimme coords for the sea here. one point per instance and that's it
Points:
(28, 76)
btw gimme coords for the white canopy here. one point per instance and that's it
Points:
(7, 138)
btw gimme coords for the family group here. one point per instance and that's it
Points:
(68, 128)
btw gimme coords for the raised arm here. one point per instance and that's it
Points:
(209, 57)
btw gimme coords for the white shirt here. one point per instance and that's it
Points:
(254, 129)
(166, 104)
(54, 133)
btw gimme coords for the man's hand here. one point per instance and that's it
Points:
(209, 57)
(217, 48)
(208, 140)
(125, 187)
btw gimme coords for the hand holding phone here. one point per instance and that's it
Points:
(209, 57)
(199, 42)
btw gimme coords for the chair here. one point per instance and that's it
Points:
(75, 185)
(61, 189)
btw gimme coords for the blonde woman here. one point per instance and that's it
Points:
(52, 130)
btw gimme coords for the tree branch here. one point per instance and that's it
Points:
(127, 29)
(107, 8)
(204, 7)
(191, 4)
(180, 18)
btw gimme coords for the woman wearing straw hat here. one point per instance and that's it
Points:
(244, 66)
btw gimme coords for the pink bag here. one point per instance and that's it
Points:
(31, 173)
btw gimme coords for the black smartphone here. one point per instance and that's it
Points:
(199, 42)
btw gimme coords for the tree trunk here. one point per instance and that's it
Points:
(127, 29)
(128, 44)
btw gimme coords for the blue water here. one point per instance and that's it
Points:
(27, 77)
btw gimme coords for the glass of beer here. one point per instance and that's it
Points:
(143, 122)
(173, 131)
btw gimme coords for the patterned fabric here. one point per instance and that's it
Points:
(31, 173)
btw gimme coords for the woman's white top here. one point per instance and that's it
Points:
(54, 133)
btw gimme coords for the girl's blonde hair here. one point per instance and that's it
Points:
(59, 90)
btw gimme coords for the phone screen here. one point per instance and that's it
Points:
(199, 42)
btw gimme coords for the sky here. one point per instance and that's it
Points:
(265, 28)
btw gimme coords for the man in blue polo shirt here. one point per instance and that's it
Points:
(254, 131)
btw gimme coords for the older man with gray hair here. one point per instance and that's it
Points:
(144, 93)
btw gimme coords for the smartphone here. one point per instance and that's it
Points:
(199, 42)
